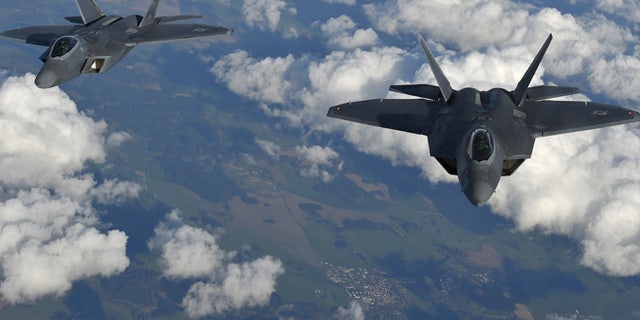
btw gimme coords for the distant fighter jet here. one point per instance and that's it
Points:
(97, 42)
(483, 135)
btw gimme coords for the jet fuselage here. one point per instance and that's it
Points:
(485, 127)
(481, 136)
(92, 52)
(95, 42)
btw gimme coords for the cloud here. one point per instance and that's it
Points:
(255, 79)
(315, 158)
(244, 285)
(44, 136)
(552, 192)
(49, 238)
(270, 148)
(616, 78)
(114, 192)
(354, 312)
(455, 21)
(4, 74)
(483, 70)
(39, 269)
(116, 139)
(580, 42)
(343, 76)
(628, 9)
(339, 33)
(264, 14)
(187, 252)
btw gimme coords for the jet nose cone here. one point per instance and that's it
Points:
(46, 79)
(478, 192)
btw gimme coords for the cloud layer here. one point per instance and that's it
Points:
(340, 34)
(265, 15)
(353, 312)
(48, 237)
(187, 252)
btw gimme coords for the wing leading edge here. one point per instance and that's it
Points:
(546, 118)
(173, 32)
(40, 35)
(413, 115)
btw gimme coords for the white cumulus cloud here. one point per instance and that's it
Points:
(244, 285)
(580, 42)
(353, 312)
(270, 148)
(317, 161)
(189, 252)
(118, 138)
(255, 79)
(49, 238)
(340, 34)
(265, 14)
(628, 9)
(582, 185)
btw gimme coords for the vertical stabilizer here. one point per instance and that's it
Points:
(150, 17)
(89, 11)
(520, 93)
(443, 82)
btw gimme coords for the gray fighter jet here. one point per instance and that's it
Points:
(481, 136)
(96, 42)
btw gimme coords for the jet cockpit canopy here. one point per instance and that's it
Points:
(63, 46)
(480, 145)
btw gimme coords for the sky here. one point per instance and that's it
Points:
(584, 186)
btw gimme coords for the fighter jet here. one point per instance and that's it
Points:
(95, 42)
(481, 136)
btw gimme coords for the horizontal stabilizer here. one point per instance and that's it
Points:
(549, 92)
(89, 10)
(426, 91)
(75, 19)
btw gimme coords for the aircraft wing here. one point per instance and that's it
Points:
(546, 118)
(40, 35)
(414, 115)
(172, 32)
